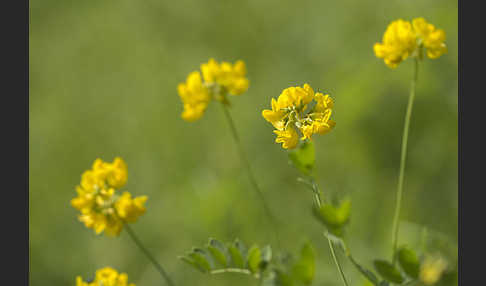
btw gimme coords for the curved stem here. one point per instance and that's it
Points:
(149, 256)
(403, 156)
(245, 161)
(318, 200)
(233, 270)
(336, 261)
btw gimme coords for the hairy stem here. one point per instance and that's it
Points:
(403, 156)
(245, 161)
(149, 256)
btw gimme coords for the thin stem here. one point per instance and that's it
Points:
(403, 156)
(233, 270)
(245, 161)
(337, 262)
(149, 256)
(318, 200)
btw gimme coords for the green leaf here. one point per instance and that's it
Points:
(366, 272)
(409, 262)
(304, 269)
(334, 218)
(236, 257)
(388, 271)
(303, 157)
(254, 258)
(218, 252)
(200, 258)
(237, 253)
(192, 262)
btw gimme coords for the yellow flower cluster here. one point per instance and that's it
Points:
(102, 209)
(216, 82)
(106, 277)
(403, 39)
(299, 109)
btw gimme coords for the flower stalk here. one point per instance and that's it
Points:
(403, 157)
(318, 200)
(147, 253)
(251, 177)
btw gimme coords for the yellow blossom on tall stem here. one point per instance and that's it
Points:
(403, 39)
(299, 109)
(101, 208)
(106, 276)
(217, 81)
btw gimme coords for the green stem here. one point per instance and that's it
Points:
(233, 270)
(337, 262)
(147, 253)
(245, 161)
(403, 156)
(318, 200)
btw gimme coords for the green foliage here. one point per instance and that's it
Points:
(237, 251)
(218, 251)
(334, 217)
(303, 157)
(217, 256)
(388, 271)
(409, 262)
(254, 258)
(258, 262)
(366, 272)
(304, 269)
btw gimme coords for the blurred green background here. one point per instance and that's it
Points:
(103, 78)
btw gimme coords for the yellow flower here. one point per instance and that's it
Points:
(399, 42)
(274, 116)
(98, 201)
(230, 77)
(431, 270)
(432, 38)
(321, 124)
(403, 39)
(299, 109)
(106, 277)
(288, 137)
(130, 209)
(195, 97)
(217, 81)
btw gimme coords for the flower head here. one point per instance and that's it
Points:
(106, 277)
(299, 109)
(217, 81)
(430, 37)
(101, 208)
(403, 39)
(431, 269)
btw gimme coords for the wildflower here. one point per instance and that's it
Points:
(403, 39)
(217, 81)
(431, 38)
(106, 277)
(195, 97)
(299, 109)
(431, 270)
(101, 208)
(130, 209)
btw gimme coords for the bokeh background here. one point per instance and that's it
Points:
(103, 77)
